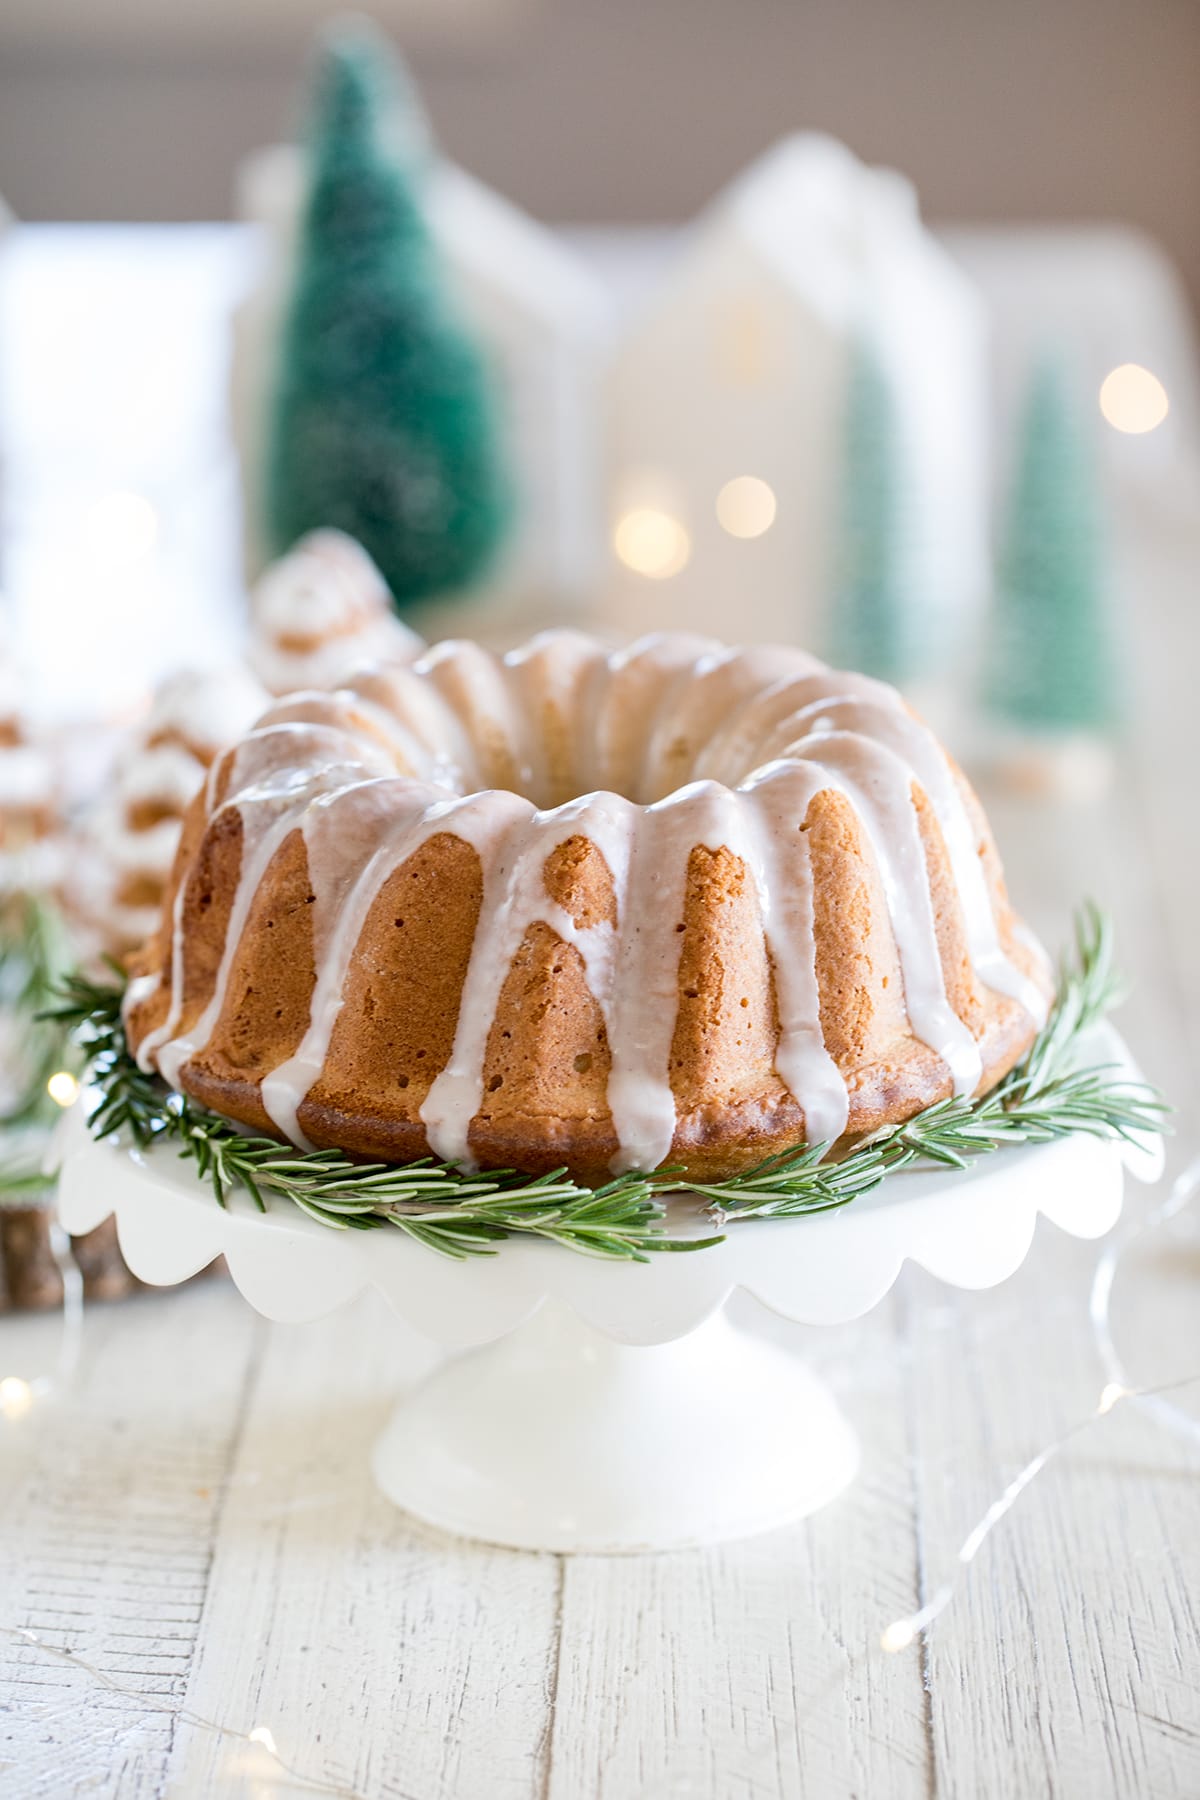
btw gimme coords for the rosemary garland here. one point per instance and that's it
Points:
(34, 958)
(460, 1214)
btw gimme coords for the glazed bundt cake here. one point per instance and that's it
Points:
(677, 904)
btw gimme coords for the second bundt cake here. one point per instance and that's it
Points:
(678, 904)
(321, 612)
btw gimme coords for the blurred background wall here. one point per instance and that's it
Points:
(632, 109)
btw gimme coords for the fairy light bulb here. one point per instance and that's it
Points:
(746, 506)
(652, 542)
(1133, 400)
(262, 1734)
(16, 1397)
(898, 1636)
(63, 1088)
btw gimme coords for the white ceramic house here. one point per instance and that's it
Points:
(545, 325)
(726, 423)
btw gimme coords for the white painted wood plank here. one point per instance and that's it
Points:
(111, 1493)
(386, 1659)
(1067, 1666)
(736, 1675)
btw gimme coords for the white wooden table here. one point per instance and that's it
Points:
(192, 1522)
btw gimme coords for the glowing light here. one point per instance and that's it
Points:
(898, 1636)
(652, 543)
(121, 529)
(746, 506)
(63, 1088)
(16, 1397)
(1133, 400)
(262, 1734)
(1113, 1392)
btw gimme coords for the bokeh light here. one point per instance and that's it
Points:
(651, 542)
(1133, 400)
(746, 506)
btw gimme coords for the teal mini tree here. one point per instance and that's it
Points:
(876, 624)
(383, 419)
(1051, 664)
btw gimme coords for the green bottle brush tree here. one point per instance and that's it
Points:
(383, 421)
(1051, 667)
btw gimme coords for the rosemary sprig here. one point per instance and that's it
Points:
(1043, 1098)
(463, 1214)
(435, 1203)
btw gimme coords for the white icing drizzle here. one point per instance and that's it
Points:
(805, 1066)
(649, 867)
(142, 988)
(771, 723)
(354, 838)
(643, 1006)
(268, 823)
(756, 730)
(476, 819)
(896, 728)
(879, 785)
(754, 736)
(551, 682)
(271, 784)
(474, 683)
(514, 841)
(640, 687)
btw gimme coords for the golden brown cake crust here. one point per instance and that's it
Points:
(546, 1058)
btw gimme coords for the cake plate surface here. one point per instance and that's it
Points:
(601, 1406)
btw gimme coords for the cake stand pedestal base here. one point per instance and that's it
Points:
(557, 1438)
(612, 1406)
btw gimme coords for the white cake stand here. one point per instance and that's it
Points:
(614, 1408)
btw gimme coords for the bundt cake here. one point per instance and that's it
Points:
(678, 904)
(321, 612)
(30, 803)
(123, 843)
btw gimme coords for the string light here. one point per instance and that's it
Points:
(896, 1637)
(652, 542)
(16, 1397)
(262, 1736)
(1133, 400)
(63, 1088)
(746, 506)
(1181, 1195)
(903, 1632)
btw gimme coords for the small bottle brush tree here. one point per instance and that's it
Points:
(1051, 667)
(876, 624)
(383, 421)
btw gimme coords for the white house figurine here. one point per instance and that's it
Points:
(727, 420)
